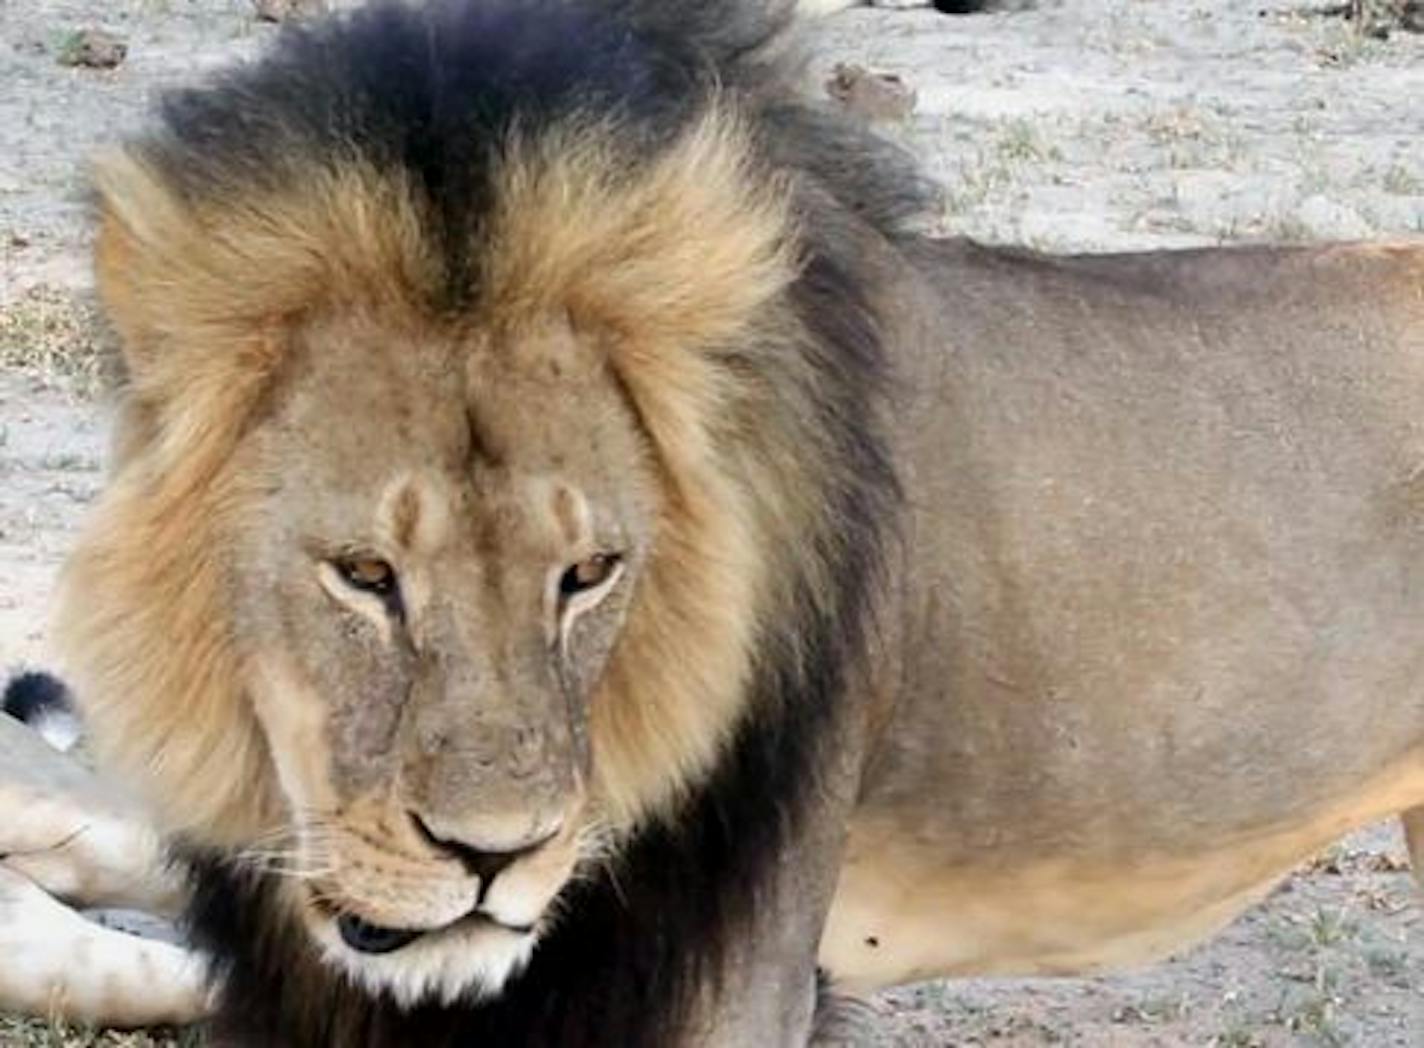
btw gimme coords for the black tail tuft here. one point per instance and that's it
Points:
(32, 697)
(963, 7)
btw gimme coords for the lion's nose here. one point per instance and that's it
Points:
(486, 863)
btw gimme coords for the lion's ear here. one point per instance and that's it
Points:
(193, 289)
(196, 282)
(154, 265)
(141, 229)
(114, 264)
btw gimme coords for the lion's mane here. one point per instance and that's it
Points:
(433, 100)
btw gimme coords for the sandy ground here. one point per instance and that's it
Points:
(1088, 125)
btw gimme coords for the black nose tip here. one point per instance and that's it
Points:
(364, 937)
(486, 865)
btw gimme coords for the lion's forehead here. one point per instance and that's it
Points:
(434, 439)
(460, 387)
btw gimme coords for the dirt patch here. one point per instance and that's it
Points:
(1095, 125)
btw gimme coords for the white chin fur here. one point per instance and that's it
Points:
(472, 963)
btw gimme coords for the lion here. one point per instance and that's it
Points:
(68, 838)
(580, 568)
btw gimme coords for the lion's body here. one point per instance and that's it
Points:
(1051, 607)
(1158, 634)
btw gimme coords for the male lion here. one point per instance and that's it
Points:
(576, 562)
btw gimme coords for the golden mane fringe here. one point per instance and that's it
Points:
(148, 649)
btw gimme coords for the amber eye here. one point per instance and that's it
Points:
(369, 575)
(588, 574)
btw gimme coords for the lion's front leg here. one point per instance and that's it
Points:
(65, 835)
(77, 837)
(89, 858)
(53, 962)
(843, 1020)
(772, 990)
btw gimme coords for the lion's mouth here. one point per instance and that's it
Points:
(365, 937)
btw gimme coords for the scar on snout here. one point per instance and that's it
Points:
(411, 514)
(405, 515)
(571, 512)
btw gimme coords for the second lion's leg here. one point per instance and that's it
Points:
(88, 857)
(54, 963)
(843, 1020)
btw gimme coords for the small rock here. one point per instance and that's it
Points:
(872, 96)
(288, 10)
(31, 45)
(93, 49)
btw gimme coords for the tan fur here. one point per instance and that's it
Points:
(157, 633)
(1160, 639)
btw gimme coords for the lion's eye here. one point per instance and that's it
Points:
(369, 575)
(588, 574)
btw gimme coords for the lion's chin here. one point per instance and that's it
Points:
(470, 960)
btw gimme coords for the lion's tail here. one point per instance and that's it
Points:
(1413, 822)
(43, 702)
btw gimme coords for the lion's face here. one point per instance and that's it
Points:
(434, 560)
(417, 600)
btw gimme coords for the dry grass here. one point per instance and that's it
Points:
(38, 1033)
(58, 335)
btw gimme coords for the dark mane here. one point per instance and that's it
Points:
(432, 90)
